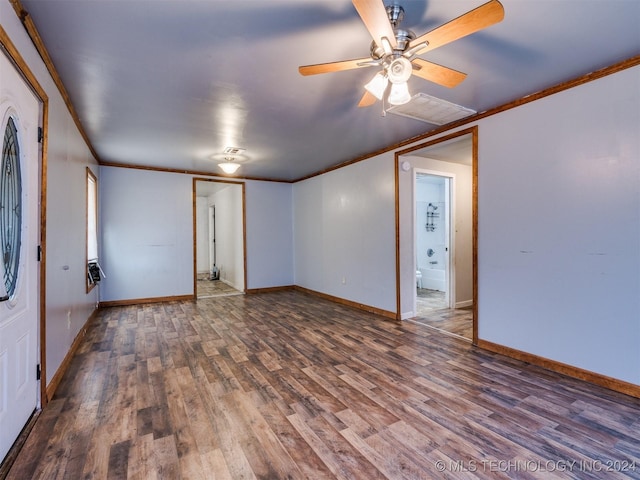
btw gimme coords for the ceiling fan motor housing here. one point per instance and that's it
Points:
(395, 13)
(403, 37)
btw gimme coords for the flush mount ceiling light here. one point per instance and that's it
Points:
(229, 166)
(230, 156)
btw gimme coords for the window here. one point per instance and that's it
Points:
(93, 268)
(10, 211)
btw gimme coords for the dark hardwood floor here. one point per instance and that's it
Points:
(288, 386)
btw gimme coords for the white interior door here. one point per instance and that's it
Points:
(19, 240)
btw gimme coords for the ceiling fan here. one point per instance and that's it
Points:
(395, 49)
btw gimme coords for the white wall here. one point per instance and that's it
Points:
(147, 234)
(269, 234)
(559, 227)
(344, 224)
(68, 306)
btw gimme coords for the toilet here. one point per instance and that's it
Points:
(418, 278)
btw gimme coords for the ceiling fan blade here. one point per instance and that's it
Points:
(482, 17)
(367, 99)
(374, 16)
(334, 66)
(435, 73)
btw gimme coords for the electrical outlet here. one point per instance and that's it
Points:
(69, 320)
(344, 280)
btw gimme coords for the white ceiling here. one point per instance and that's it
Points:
(171, 83)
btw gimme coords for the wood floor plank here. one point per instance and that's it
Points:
(344, 463)
(140, 465)
(165, 455)
(284, 385)
(379, 453)
(309, 463)
(265, 443)
(215, 465)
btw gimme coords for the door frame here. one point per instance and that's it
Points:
(474, 199)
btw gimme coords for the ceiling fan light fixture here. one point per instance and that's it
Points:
(399, 94)
(377, 85)
(228, 166)
(400, 70)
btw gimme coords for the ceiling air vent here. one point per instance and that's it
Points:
(233, 151)
(431, 109)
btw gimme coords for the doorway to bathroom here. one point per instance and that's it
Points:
(437, 227)
(432, 241)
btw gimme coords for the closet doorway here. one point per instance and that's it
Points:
(219, 251)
